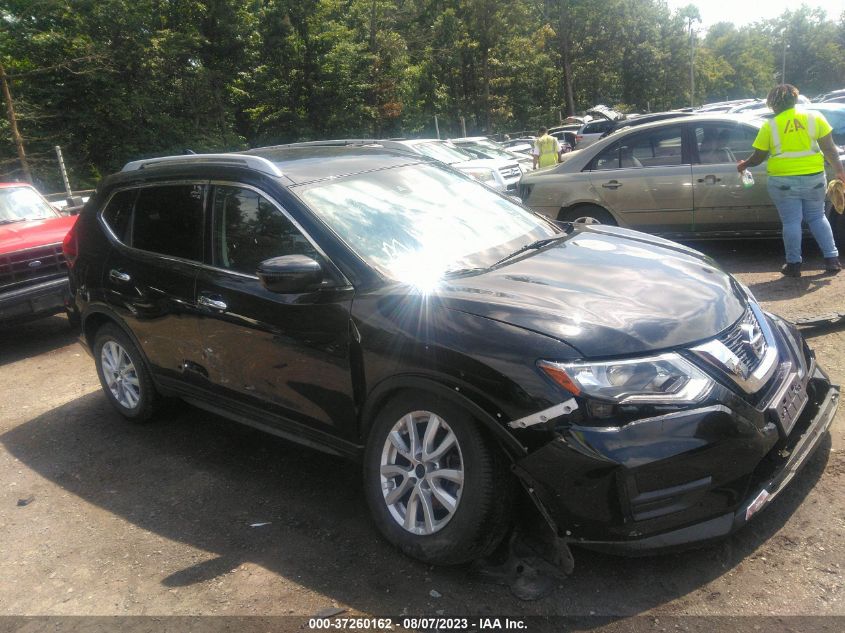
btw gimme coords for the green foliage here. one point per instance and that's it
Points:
(116, 80)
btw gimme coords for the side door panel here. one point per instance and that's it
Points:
(286, 351)
(150, 273)
(722, 204)
(646, 180)
(155, 297)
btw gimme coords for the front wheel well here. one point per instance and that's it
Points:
(586, 209)
(385, 393)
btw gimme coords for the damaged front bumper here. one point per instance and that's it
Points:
(795, 454)
(681, 479)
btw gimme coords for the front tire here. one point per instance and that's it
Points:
(437, 487)
(123, 374)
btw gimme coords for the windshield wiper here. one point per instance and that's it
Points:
(532, 246)
(457, 272)
(12, 220)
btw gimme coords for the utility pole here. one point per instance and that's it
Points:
(13, 124)
(783, 69)
(691, 66)
(63, 170)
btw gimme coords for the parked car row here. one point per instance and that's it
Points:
(834, 96)
(389, 302)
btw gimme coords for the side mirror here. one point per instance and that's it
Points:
(290, 274)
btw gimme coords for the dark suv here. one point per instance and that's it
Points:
(386, 308)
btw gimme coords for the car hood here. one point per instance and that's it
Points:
(491, 163)
(606, 292)
(22, 235)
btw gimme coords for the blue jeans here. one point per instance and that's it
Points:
(802, 198)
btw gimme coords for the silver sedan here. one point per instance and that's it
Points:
(676, 178)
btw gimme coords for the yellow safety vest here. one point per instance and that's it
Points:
(548, 155)
(793, 148)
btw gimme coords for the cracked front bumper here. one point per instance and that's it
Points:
(686, 477)
(795, 453)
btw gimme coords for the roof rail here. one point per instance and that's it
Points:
(341, 142)
(258, 163)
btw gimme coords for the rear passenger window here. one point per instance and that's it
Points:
(118, 214)
(598, 127)
(169, 220)
(724, 143)
(249, 229)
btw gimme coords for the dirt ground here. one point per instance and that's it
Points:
(196, 515)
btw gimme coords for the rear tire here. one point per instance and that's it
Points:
(587, 214)
(445, 497)
(123, 375)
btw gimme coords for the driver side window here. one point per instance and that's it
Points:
(617, 156)
(249, 229)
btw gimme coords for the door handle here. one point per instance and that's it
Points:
(215, 303)
(710, 179)
(613, 184)
(118, 275)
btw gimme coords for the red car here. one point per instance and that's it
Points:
(33, 270)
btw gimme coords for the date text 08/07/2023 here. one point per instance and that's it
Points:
(418, 623)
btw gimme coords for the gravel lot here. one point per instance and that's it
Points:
(99, 517)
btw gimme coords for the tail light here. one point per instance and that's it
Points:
(70, 246)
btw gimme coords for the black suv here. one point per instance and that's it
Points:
(472, 355)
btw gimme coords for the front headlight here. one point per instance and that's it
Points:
(482, 174)
(664, 379)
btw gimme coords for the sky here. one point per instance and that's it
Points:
(742, 13)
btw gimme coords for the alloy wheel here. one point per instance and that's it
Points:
(422, 472)
(120, 375)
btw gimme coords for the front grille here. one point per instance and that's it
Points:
(735, 340)
(23, 268)
(510, 172)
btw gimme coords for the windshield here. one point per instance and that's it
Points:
(22, 203)
(444, 152)
(421, 222)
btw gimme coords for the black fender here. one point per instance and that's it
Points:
(381, 393)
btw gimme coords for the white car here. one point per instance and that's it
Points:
(499, 173)
(602, 122)
(483, 147)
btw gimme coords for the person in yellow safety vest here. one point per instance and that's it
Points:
(796, 143)
(546, 149)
